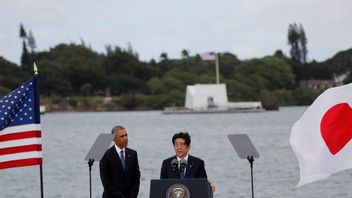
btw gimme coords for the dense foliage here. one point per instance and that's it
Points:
(71, 70)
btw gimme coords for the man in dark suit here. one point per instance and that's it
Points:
(119, 169)
(195, 166)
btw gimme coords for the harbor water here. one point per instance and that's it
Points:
(67, 137)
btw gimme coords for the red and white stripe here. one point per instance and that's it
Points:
(20, 146)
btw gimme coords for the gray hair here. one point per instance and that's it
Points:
(116, 128)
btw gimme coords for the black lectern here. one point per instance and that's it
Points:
(180, 188)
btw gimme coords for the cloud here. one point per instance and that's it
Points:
(247, 28)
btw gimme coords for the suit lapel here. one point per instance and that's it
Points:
(127, 159)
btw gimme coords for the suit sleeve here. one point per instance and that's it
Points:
(105, 176)
(163, 171)
(137, 176)
(202, 173)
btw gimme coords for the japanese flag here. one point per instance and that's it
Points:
(321, 137)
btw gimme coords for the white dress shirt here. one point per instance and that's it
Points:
(118, 150)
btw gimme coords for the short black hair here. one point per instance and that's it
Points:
(182, 135)
(116, 128)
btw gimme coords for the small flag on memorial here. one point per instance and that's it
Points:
(208, 56)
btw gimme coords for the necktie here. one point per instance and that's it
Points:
(122, 156)
(182, 174)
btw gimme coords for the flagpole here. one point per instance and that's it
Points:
(35, 69)
(217, 68)
(41, 181)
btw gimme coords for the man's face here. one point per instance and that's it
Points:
(121, 139)
(181, 149)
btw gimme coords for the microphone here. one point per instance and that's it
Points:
(174, 165)
(183, 164)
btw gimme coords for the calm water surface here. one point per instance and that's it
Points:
(67, 137)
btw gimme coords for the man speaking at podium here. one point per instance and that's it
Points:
(183, 165)
(119, 169)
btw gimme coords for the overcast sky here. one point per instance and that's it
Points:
(247, 28)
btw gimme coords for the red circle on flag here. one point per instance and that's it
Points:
(336, 127)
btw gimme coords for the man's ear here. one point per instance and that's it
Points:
(115, 137)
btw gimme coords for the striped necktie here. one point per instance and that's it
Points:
(122, 157)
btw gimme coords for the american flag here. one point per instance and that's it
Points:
(208, 56)
(20, 130)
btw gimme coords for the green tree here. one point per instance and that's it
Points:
(184, 54)
(127, 74)
(31, 41)
(303, 44)
(11, 76)
(163, 56)
(227, 64)
(293, 40)
(73, 65)
(341, 61)
(54, 79)
(23, 34)
(26, 61)
(86, 89)
(238, 91)
(298, 41)
(321, 71)
(269, 73)
(156, 86)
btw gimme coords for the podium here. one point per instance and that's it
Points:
(180, 188)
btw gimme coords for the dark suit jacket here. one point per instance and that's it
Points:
(118, 183)
(195, 169)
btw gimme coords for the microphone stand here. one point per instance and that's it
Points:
(251, 160)
(90, 164)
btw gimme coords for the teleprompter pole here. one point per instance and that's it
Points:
(251, 160)
(90, 164)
